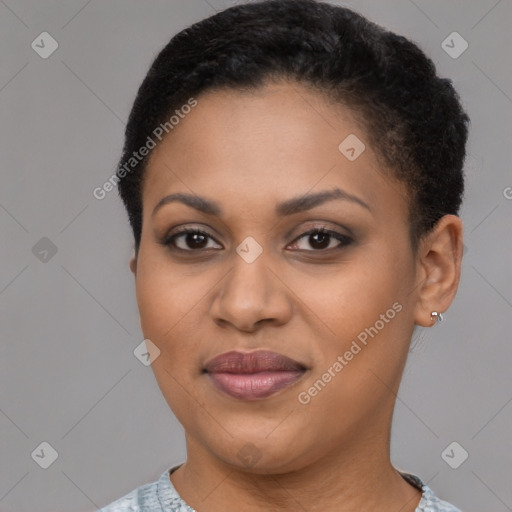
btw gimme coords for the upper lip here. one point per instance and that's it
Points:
(252, 362)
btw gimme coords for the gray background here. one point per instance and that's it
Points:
(69, 324)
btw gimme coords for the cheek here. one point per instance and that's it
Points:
(163, 296)
(166, 307)
(353, 297)
(369, 325)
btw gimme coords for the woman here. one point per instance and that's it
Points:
(292, 174)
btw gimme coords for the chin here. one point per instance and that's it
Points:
(254, 453)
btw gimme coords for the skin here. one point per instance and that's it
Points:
(247, 152)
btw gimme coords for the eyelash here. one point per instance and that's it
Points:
(343, 239)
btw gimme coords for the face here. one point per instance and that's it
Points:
(282, 302)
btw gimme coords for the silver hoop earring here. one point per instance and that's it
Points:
(435, 316)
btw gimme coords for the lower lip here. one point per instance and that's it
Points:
(253, 386)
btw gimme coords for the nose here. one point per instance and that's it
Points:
(251, 295)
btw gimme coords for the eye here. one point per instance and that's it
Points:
(190, 239)
(321, 239)
(194, 240)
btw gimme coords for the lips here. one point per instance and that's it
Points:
(253, 375)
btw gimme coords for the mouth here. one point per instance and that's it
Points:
(253, 375)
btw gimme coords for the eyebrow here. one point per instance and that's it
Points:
(288, 207)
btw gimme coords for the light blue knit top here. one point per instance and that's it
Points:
(161, 496)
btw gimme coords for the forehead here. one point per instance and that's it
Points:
(276, 141)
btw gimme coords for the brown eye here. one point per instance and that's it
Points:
(189, 240)
(321, 239)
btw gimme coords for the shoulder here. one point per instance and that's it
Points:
(144, 497)
(157, 496)
(429, 501)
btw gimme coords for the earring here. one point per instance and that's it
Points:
(435, 316)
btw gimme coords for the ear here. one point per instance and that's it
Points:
(133, 264)
(439, 267)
